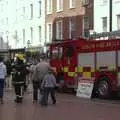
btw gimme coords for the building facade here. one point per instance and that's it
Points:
(24, 23)
(64, 19)
(106, 15)
(68, 19)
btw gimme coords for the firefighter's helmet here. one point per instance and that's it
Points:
(20, 57)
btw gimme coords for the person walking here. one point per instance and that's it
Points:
(2, 78)
(19, 76)
(8, 77)
(40, 71)
(48, 85)
(35, 82)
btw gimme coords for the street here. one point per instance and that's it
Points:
(68, 107)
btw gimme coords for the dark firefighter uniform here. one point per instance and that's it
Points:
(19, 76)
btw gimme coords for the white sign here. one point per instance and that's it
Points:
(85, 88)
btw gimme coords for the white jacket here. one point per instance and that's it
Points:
(3, 71)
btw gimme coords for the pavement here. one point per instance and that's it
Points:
(68, 107)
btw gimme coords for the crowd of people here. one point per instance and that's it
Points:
(40, 74)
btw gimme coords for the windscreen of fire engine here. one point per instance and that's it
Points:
(57, 53)
(69, 51)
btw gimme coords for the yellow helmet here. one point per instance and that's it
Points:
(20, 56)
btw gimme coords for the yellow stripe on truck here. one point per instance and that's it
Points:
(76, 69)
(71, 74)
(65, 69)
(92, 69)
(87, 74)
(80, 69)
(119, 75)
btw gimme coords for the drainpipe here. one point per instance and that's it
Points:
(110, 14)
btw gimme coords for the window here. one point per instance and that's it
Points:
(16, 36)
(59, 30)
(72, 3)
(104, 22)
(60, 54)
(7, 40)
(71, 29)
(49, 6)
(86, 26)
(40, 33)
(59, 5)
(31, 33)
(6, 20)
(105, 2)
(1, 7)
(49, 32)
(23, 11)
(69, 51)
(118, 22)
(2, 22)
(31, 9)
(23, 36)
(39, 8)
(57, 53)
(16, 15)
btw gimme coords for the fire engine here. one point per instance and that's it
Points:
(87, 59)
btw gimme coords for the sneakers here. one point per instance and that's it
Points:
(35, 101)
(1, 100)
(54, 102)
(18, 100)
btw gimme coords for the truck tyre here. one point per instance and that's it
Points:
(103, 88)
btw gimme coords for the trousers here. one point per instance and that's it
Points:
(1, 87)
(47, 91)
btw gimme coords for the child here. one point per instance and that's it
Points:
(48, 85)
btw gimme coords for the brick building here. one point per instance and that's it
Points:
(65, 18)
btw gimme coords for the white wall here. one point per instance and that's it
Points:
(24, 22)
(116, 11)
(102, 10)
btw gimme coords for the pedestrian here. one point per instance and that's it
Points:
(8, 77)
(40, 71)
(48, 85)
(2, 78)
(35, 82)
(19, 76)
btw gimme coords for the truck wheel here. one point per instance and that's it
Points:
(103, 88)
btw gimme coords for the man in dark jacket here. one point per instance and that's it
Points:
(19, 75)
(40, 71)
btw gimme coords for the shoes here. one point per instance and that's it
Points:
(18, 100)
(2, 102)
(34, 101)
(44, 105)
(54, 102)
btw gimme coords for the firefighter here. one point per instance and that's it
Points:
(19, 75)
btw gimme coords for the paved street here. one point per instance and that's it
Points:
(68, 107)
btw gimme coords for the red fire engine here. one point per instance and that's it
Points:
(94, 60)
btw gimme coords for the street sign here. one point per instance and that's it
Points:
(85, 88)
